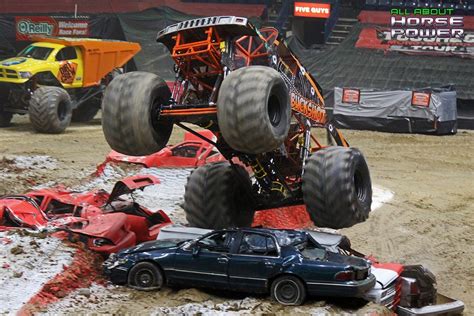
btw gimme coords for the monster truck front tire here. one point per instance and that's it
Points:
(5, 118)
(130, 113)
(216, 197)
(253, 109)
(337, 189)
(50, 110)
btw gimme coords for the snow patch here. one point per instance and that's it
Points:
(231, 307)
(35, 162)
(27, 263)
(380, 196)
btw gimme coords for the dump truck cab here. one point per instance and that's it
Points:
(44, 61)
(56, 80)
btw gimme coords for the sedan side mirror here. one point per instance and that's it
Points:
(196, 249)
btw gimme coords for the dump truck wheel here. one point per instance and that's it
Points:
(130, 114)
(253, 109)
(336, 188)
(5, 118)
(86, 112)
(216, 197)
(50, 110)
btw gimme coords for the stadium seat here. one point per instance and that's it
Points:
(384, 4)
(398, 3)
(424, 4)
(371, 4)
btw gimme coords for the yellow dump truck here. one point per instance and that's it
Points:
(56, 80)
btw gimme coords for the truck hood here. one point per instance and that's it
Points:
(23, 64)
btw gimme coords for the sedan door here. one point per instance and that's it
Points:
(204, 263)
(257, 259)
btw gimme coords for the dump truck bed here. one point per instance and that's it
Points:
(100, 57)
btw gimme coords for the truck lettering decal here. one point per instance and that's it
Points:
(307, 108)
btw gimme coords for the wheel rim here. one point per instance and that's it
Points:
(287, 292)
(62, 110)
(144, 278)
(274, 110)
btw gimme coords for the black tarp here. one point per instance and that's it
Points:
(395, 111)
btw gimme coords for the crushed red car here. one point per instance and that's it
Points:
(104, 222)
(192, 152)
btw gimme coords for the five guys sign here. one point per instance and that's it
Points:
(312, 10)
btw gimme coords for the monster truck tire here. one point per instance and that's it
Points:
(216, 197)
(86, 111)
(336, 187)
(5, 118)
(130, 113)
(50, 110)
(253, 109)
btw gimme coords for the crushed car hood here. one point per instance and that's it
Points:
(130, 184)
(23, 211)
(103, 226)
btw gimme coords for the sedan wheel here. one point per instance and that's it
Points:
(288, 290)
(145, 276)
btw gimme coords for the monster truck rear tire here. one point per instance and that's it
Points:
(253, 109)
(5, 118)
(216, 197)
(130, 113)
(336, 187)
(86, 111)
(50, 110)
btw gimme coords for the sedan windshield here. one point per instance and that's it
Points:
(36, 52)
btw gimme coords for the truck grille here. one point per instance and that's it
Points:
(8, 73)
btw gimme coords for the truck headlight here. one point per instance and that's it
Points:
(25, 74)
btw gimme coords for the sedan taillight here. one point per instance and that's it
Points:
(345, 276)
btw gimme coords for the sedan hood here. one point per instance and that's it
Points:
(348, 260)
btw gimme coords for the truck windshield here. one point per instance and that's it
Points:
(36, 52)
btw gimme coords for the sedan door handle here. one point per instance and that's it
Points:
(222, 260)
(269, 264)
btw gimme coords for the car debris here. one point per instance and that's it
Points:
(104, 222)
(289, 264)
(405, 289)
(191, 152)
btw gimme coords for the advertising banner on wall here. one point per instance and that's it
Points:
(380, 38)
(27, 26)
(312, 10)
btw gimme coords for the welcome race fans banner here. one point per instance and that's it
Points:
(27, 26)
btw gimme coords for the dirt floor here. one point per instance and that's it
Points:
(430, 220)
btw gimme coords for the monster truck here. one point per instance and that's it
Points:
(56, 80)
(247, 87)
